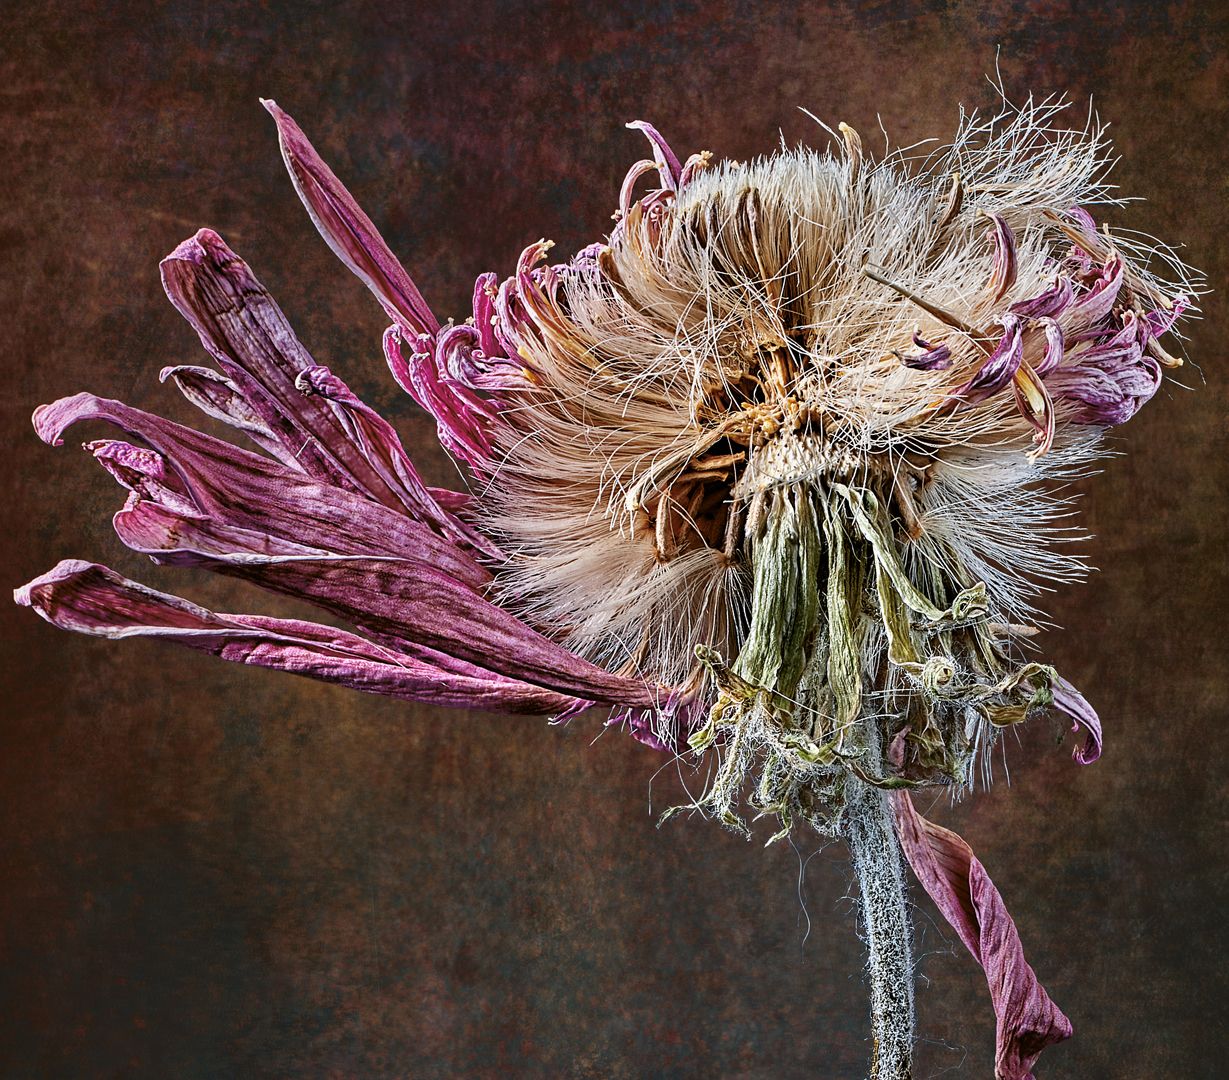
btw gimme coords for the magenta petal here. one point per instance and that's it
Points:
(381, 447)
(1027, 1020)
(245, 490)
(999, 368)
(215, 395)
(931, 357)
(348, 231)
(245, 331)
(1069, 700)
(1049, 303)
(403, 602)
(92, 599)
(667, 163)
(463, 420)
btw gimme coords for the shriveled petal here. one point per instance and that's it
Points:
(463, 419)
(1069, 700)
(1055, 346)
(1027, 1020)
(931, 357)
(245, 331)
(349, 231)
(404, 603)
(215, 395)
(238, 488)
(999, 368)
(1090, 308)
(1003, 270)
(381, 447)
(665, 159)
(92, 599)
(1050, 302)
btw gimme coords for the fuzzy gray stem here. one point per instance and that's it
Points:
(877, 862)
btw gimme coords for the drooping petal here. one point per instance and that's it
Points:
(999, 368)
(245, 331)
(1110, 381)
(381, 447)
(349, 231)
(1027, 1020)
(239, 488)
(403, 602)
(1069, 700)
(91, 599)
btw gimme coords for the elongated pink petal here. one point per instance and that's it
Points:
(405, 603)
(245, 490)
(999, 368)
(1027, 1020)
(92, 599)
(215, 395)
(381, 447)
(348, 231)
(246, 332)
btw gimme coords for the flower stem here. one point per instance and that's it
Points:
(869, 831)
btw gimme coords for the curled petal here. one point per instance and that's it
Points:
(245, 490)
(1000, 366)
(1055, 346)
(215, 395)
(667, 163)
(627, 191)
(931, 358)
(1003, 272)
(1027, 1021)
(1090, 308)
(247, 334)
(1052, 301)
(349, 231)
(92, 599)
(382, 448)
(463, 419)
(1069, 700)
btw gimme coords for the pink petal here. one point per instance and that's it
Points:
(405, 603)
(667, 163)
(92, 599)
(381, 447)
(1003, 273)
(244, 490)
(246, 332)
(215, 395)
(1069, 700)
(348, 231)
(1027, 1020)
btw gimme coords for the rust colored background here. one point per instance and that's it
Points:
(209, 871)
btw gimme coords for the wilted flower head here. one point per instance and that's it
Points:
(774, 469)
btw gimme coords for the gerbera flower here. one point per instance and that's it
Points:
(771, 473)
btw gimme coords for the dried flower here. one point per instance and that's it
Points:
(772, 472)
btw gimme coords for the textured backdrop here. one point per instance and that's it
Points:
(215, 871)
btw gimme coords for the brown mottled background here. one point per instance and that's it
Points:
(208, 871)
